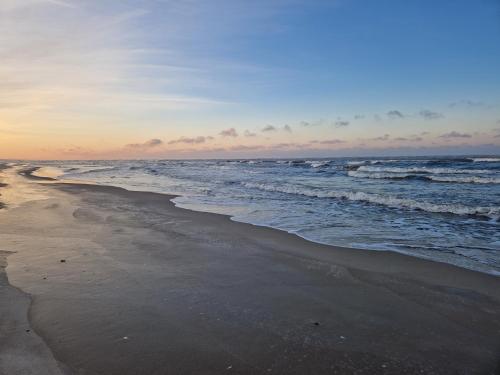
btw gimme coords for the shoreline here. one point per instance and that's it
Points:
(149, 287)
(28, 173)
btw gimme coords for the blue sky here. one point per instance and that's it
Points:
(104, 78)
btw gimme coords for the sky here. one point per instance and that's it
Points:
(103, 79)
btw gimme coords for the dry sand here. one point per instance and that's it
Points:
(149, 288)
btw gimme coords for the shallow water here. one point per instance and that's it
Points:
(447, 209)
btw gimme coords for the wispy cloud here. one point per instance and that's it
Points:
(68, 56)
(287, 128)
(231, 132)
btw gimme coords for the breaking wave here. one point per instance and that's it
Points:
(366, 168)
(486, 160)
(359, 196)
(403, 176)
(318, 163)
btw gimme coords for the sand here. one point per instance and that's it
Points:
(126, 283)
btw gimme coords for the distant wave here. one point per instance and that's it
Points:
(486, 160)
(373, 162)
(448, 161)
(466, 180)
(366, 168)
(403, 176)
(490, 212)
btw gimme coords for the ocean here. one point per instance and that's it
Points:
(442, 208)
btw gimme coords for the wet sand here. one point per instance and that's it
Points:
(22, 351)
(126, 283)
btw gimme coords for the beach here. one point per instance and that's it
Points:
(111, 281)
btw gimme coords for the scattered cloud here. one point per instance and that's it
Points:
(430, 115)
(269, 128)
(231, 132)
(341, 123)
(359, 117)
(287, 128)
(248, 133)
(395, 114)
(155, 142)
(455, 134)
(190, 140)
